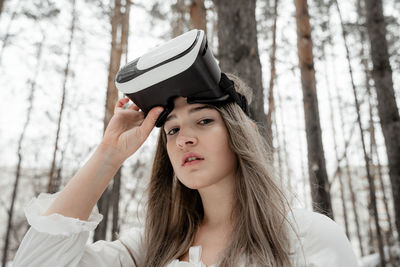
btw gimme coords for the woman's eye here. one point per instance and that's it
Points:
(171, 132)
(202, 122)
(207, 121)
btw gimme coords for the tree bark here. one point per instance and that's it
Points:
(377, 168)
(344, 156)
(271, 102)
(198, 15)
(351, 189)
(339, 172)
(316, 159)
(1, 10)
(278, 151)
(371, 180)
(119, 24)
(238, 50)
(373, 146)
(387, 107)
(302, 152)
(288, 175)
(179, 23)
(117, 179)
(51, 188)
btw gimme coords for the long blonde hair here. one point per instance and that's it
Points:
(174, 212)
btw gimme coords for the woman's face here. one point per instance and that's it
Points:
(193, 129)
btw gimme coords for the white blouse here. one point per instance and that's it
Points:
(59, 241)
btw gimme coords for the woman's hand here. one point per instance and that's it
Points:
(128, 129)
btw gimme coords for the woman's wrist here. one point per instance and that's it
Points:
(111, 156)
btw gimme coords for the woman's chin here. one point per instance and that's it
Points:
(195, 185)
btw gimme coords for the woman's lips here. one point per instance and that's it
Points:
(189, 163)
(188, 155)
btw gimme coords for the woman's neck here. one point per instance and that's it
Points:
(218, 203)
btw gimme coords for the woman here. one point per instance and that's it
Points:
(212, 200)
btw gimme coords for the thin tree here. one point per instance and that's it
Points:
(31, 98)
(179, 22)
(51, 187)
(387, 107)
(374, 153)
(320, 191)
(349, 178)
(1, 5)
(325, 12)
(278, 150)
(346, 143)
(117, 180)
(288, 175)
(302, 165)
(339, 171)
(119, 38)
(373, 147)
(198, 15)
(371, 181)
(58, 174)
(272, 59)
(238, 50)
(213, 20)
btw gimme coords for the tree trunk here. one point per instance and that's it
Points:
(271, 104)
(1, 10)
(198, 15)
(387, 107)
(373, 146)
(288, 175)
(58, 176)
(371, 180)
(352, 192)
(278, 151)
(117, 179)
(119, 24)
(316, 159)
(302, 152)
(344, 156)
(238, 50)
(115, 200)
(179, 23)
(339, 172)
(19, 149)
(377, 167)
(51, 188)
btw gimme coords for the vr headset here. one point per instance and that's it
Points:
(184, 66)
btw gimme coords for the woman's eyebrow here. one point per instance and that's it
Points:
(192, 110)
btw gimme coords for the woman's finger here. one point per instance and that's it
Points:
(121, 102)
(150, 120)
(133, 106)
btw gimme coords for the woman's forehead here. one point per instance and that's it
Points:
(181, 106)
(180, 101)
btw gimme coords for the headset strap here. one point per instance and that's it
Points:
(228, 86)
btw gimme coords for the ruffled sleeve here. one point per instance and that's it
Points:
(321, 242)
(56, 240)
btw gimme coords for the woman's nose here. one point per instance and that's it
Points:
(185, 139)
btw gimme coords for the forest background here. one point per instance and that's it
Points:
(325, 75)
